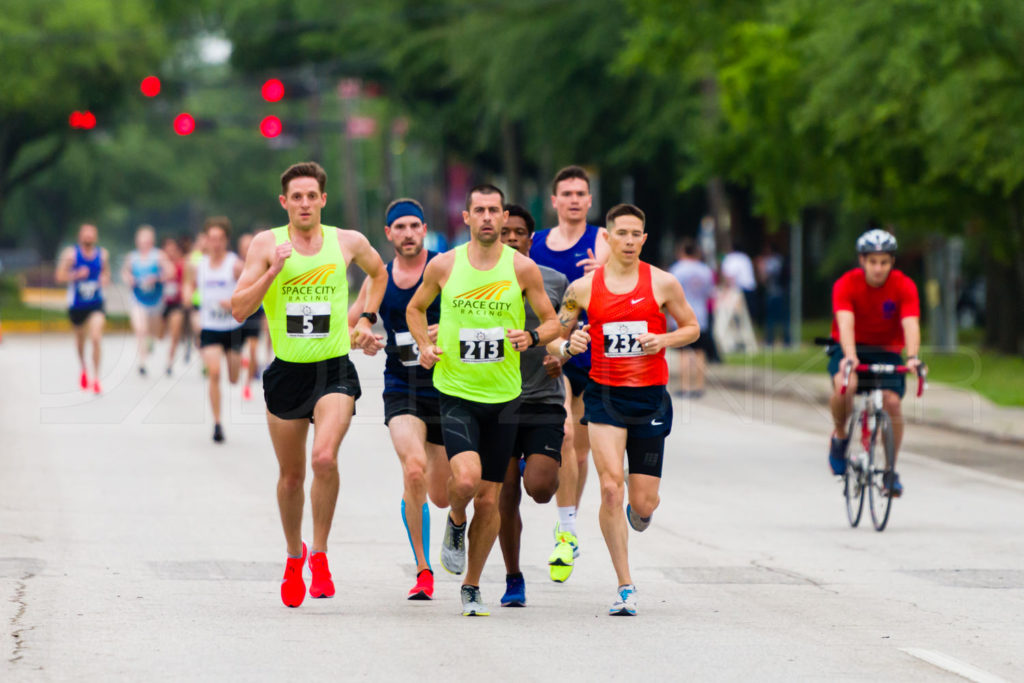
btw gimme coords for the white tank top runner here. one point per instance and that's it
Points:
(216, 285)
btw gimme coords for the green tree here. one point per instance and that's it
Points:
(61, 56)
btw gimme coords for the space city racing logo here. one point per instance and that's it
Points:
(311, 285)
(484, 299)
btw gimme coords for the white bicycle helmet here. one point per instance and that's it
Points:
(875, 241)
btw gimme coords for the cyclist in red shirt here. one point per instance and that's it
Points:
(877, 315)
(626, 405)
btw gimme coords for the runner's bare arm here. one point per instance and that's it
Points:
(188, 282)
(63, 274)
(598, 256)
(367, 258)
(434, 275)
(126, 272)
(357, 307)
(668, 289)
(532, 284)
(262, 264)
(105, 268)
(569, 315)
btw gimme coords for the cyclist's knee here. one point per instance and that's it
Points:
(892, 403)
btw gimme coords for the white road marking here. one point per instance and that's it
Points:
(953, 665)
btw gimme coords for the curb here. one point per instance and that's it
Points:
(756, 385)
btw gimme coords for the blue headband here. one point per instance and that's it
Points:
(402, 209)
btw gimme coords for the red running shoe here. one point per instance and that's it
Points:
(246, 393)
(293, 588)
(424, 588)
(96, 387)
(84, 380)
(321, 586)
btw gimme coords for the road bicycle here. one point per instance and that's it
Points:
(869, 450)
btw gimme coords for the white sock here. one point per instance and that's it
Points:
(567, 519)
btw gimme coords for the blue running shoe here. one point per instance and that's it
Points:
(891, 482)
(636, 521)
(837, 455)
(515, 591)
(625, 602)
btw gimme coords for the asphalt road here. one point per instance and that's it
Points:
(134, 548)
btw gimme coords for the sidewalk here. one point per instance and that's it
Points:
(958, 409)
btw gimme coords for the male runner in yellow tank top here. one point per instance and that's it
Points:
(479, 339)
(298, 272)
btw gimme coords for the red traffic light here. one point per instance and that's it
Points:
(270, 127)
(184, 124)
(82, 120)
(273, 90)
(150, 86)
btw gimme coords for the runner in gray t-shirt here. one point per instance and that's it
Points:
(698, 283)
(542, 417)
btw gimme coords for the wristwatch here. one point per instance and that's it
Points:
(372, 317)
(535, 338)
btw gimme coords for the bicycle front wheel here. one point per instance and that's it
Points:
(880, 460)
(853, 478)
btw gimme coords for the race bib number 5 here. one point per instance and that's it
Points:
(408, 351)
(482, 345)
(622, 339)
(308, 320)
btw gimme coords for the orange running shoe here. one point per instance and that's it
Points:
(321, 586)
(293, 588)
(424, 588)
(84, 380)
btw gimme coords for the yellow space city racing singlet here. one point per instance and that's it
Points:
(477, 306)
(307, 303)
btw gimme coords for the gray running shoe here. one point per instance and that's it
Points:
(636, 521)
(625, 602)
(453, 548)
(472, 603)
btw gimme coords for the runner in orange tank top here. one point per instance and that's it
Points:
(627, 408)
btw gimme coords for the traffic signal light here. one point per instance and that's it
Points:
(82, 120)
(270, 127)
(184, 124)
(150, 86)
(273, 90)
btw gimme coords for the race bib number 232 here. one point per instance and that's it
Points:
(622, 339)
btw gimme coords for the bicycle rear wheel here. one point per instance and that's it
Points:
(853, 478)
(880, 460)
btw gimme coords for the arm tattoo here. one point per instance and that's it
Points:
(567, 313)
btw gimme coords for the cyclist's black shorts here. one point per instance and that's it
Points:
(868, 380)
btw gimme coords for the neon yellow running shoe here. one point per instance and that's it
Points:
(562, 558)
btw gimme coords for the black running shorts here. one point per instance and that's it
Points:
(541, 430)
(578, 377)
(488, 429)
(644, 412)
(231, 340)
(291, 390)
(426, 407)
(78, 316)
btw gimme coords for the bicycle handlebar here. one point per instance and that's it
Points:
(884, 369)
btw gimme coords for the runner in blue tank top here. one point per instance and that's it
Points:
(85, 268)
(573, 248)
(411, 403)
(144, 271)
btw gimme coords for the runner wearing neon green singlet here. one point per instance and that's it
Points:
(477, 356)
(307, 304)
(298, 272)
(477, 306)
